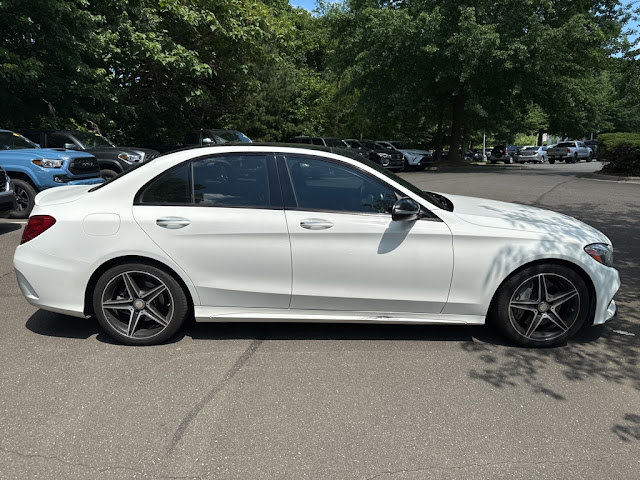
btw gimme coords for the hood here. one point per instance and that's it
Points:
(52, 153)
(139, 150)
(113, 152)
(64, 194)
(413, 151)
(513, 216)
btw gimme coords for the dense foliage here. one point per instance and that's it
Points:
(622, 151)
(433, 71)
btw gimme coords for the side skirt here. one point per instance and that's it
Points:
(230, 314)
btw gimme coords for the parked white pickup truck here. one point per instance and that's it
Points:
(570, 152)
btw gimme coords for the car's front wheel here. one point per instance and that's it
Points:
(107, 173)
(541, 306)
(139, 304)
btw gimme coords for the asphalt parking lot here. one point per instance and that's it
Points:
(262, 401)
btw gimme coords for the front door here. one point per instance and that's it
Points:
(347, 252)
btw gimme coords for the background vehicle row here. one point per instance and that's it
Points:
(33, 169)
(111, 158)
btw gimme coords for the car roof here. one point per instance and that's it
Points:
(260, 146)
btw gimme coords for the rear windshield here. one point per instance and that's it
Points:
(566, 144)
(92, 140)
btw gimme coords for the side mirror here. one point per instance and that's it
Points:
(405, 209)
(70, 146)
(207, 141)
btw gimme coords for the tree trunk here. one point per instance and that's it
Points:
(437, 155)
(540, 134)
(456, 129)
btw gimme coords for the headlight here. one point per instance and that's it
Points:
(48, 163)
(128, 157)
(601, 252)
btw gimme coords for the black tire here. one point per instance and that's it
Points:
(575, 158)
(541, 306)
(133, 309)
(552, 161)
(25, 198)
(107, 173)
(405, 165)
(590, 157)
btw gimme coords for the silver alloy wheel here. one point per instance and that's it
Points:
(137, 304)
(544, 307)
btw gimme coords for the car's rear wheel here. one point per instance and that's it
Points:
(139, 304)
(25, 198)
(552, 161)
(541, 306)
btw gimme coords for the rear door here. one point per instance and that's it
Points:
(221, 219)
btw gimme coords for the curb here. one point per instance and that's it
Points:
(474, 167)
(611, 178)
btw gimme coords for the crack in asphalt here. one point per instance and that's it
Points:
(193, 413)
(490, 464)
(537, 200)
(96, 469)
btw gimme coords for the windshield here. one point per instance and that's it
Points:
(334, 142)
(13, 141)
(400, 145)
(92, 140)
(566, 144)
(232, 136)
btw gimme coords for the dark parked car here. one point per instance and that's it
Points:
(111, 158)
(593, 145)
(387, 158)
(503, 153)
(7, 197)
(320, 141)
(212, 136)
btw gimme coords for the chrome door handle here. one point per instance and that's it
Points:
(173, 222)
(316, 224)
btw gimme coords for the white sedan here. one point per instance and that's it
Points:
(268, 233)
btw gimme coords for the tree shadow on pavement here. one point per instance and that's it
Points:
(629, 430)
(609, 352)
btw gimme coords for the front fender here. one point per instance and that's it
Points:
(39, 177)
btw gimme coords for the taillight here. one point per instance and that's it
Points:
(37, 224)
(568, 150)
